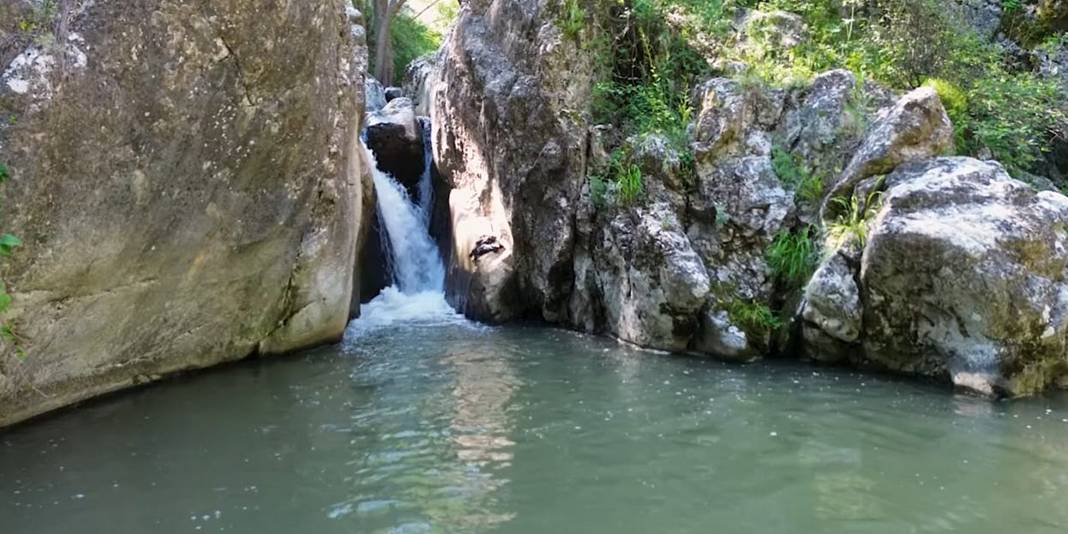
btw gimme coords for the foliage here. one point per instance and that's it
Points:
(573, 19)
(953, 98)
(411, 40)
(42, 17)
(623, 183)
(853, 222)
(1014, 116)
(8, 244)
(807, 184)
(631, 186)
(996, 104)
(650, 69)
(753, 316)
(794, 256)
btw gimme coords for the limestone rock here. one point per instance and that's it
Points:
(824, 123)
(376, 95)
(719, 337)
(916, 128)
(395, 135)
(651, 282)
(512, 149)
(964, 277)
(185, 180)
(832, 310)
(780, 30)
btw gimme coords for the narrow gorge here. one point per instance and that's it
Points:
(533, 265)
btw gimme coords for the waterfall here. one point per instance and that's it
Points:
(413, 259)
(415, 262)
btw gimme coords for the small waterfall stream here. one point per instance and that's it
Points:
(413, 259)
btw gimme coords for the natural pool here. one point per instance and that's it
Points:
(445, 426)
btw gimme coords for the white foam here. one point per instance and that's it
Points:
(392, 306)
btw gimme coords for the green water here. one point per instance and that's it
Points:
(456, 428)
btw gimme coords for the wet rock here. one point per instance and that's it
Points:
(376, 95)
(486, 245)
(719, 337)
(393, 93)
(395, 136)
(513, 152)
(422, 77)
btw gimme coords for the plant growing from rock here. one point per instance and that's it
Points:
(807, 185)
(8, 244)
(630, 183)
(793, 256)
(853, 223)
(753, 316)
(573, 19)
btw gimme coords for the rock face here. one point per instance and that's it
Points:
(186, 181)
(916, 128)
(963, 276)
(395, 135)
(512, 155)
(543, 226)
(644, 277)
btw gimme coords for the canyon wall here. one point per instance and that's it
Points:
(185, 179)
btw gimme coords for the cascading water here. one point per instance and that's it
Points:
(414, 262)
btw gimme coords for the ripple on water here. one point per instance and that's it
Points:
(444, 426)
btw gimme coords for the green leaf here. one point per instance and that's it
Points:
(4, 174)
(5, 301)
(9, 243)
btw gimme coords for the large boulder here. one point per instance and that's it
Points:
(915, 128)
(650, 281)
(185, 178)
(395, 135)
(512, 151)
(963, 277)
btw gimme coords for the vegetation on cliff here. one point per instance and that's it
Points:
(414, 27)
(654, 51)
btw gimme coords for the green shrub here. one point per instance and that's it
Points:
(573, 19)
(793, 256)
(953, 98)
(411, 40)
(853, 221)
(1015, 117)
(630, 183)
(807, 185)
(753, 316)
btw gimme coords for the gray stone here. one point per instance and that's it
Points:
(964, 277)
(513, 153)
(720, 338)
(189, 194)
(916, 128)
(650, 281)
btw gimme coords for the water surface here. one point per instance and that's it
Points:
(450, 427)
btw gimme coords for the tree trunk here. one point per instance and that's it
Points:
(385, 10)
